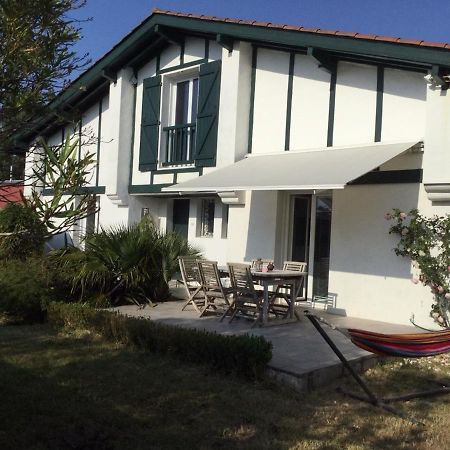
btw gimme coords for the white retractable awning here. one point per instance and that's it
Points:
(328, 168)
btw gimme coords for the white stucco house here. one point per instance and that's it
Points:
(273, 141)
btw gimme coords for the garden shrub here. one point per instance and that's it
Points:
(29, 233)
(127, 264)
(245, 356)
(61, 275)
(24, 289)
(426, 241)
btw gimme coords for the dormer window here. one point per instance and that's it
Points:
(179, 136)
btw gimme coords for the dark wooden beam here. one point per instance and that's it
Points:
(109, 74)
(147, 53)
(225, 42)
(436, 76)
(174, 37)
(325, 61)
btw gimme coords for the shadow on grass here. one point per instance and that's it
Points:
(83, 393)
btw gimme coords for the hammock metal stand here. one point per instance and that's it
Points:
(371, 397)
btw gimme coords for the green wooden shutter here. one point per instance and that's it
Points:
(208, 114)
(151, 100)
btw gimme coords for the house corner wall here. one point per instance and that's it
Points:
(436, 164)
(234, 108)
(118, 132)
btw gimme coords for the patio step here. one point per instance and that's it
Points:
(309, 381)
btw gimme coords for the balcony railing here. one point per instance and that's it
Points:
(180, 143)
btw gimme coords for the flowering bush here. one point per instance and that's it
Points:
(426, 241)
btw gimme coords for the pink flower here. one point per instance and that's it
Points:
(440, 289)
(447, 296)
(414, 280)
(403, 215)
(388, 216)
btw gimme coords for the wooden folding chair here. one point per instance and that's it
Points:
(284, 292)
(212, 287)
(191, 280)
(247, 301)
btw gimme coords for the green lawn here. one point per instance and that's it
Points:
(78, 392)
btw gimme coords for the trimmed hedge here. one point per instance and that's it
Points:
(245, 355)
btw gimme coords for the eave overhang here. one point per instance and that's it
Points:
(154, 33)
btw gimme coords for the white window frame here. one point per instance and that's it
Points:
(169, 94)
(173, 99)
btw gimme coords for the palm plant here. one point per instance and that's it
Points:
(128, 263)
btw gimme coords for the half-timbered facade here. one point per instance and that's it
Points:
(272, 141)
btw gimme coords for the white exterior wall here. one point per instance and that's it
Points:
(119, 132)
(232, 138)
(310, 104)
(369, 279)
(106, 142)
(211, 247)
(404, 106)
(170, 57)
(260, 219)
(194, 49)
(89, 137)
(269, 113)
(355, 108)
(437, 137)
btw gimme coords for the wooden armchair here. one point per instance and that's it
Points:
(284, 292)
(247, 300)
(212, 287)
(191, 281)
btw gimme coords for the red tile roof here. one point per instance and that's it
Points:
(10, 193)
(369, 37)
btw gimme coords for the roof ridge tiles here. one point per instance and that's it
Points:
(301, 29)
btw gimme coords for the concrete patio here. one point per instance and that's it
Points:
(301, 358)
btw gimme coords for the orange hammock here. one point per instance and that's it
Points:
(403, 345)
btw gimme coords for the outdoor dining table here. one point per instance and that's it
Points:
(276, 277)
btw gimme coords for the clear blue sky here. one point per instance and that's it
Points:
(420, 19)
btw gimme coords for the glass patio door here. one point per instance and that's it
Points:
(301, 214)
(322, 245)
(310, 239)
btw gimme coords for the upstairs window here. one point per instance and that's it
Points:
(180, 116)
(180, 135)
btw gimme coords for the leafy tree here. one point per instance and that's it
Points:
(36, 59)
(426, 241)
(66, 175)
(25, 227)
